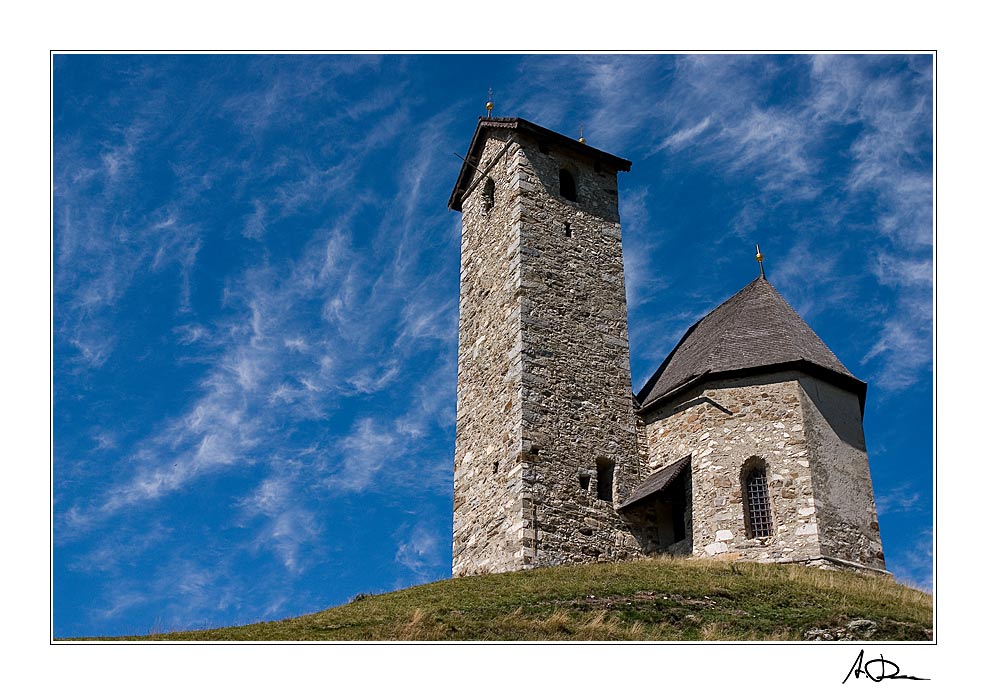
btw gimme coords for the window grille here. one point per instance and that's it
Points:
(758, 504)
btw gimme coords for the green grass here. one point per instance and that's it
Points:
(655, 599)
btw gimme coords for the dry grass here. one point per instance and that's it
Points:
(655, 599)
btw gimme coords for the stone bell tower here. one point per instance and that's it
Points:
(546, 439)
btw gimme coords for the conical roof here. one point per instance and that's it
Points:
(753, 331)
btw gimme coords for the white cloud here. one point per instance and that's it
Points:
(897, 271)
(191, 333)
(289, 526)
(255, 226)
(914, 567)
(683, 137)
(368, 446)
(830, 287)
(121, 601)
(94, 349)
(375, 377)
(902, 499)
(420, 551)
(905, 350)
(641, 282)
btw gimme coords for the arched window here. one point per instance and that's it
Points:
(757, 502)
(567, 184)
(488, 195)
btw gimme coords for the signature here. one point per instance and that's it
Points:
(877, 669)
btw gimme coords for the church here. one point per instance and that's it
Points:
(746, 444)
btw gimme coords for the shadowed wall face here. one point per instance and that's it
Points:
(842, 487)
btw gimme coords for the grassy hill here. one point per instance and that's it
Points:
(659, 599)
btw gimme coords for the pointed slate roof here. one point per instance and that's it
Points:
(755, 331)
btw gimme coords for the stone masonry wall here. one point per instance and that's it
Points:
(722, 424)
(487, 504)
(576, 388)
(544, 370)
(842, 488)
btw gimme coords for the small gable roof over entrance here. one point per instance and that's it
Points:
(755, 331)
(658, 481)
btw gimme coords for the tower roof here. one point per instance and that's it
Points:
(755, 331)
(542, 134)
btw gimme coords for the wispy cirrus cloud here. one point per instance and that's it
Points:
(418, 551)
(684, 136)
(296, 334)
(901, 499)
(831, 287)
(289, 527)
(364, 451)
(915, 566)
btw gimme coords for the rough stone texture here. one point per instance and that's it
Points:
(855, 630)
(842, 488)
(809, 434)
(544, 368)
(723, 424)
(487, 501)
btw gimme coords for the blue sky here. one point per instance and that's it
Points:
(255, 295)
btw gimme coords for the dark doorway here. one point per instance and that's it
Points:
(662, 520)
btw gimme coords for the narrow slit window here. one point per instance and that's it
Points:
(567, 229)
(488, 195)
(604, 480)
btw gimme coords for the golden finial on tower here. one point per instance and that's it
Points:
(490, 103)
(581, 138)
(759, 257)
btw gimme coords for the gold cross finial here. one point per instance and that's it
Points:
(490, 103)
(759, 257)
(581, 138)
